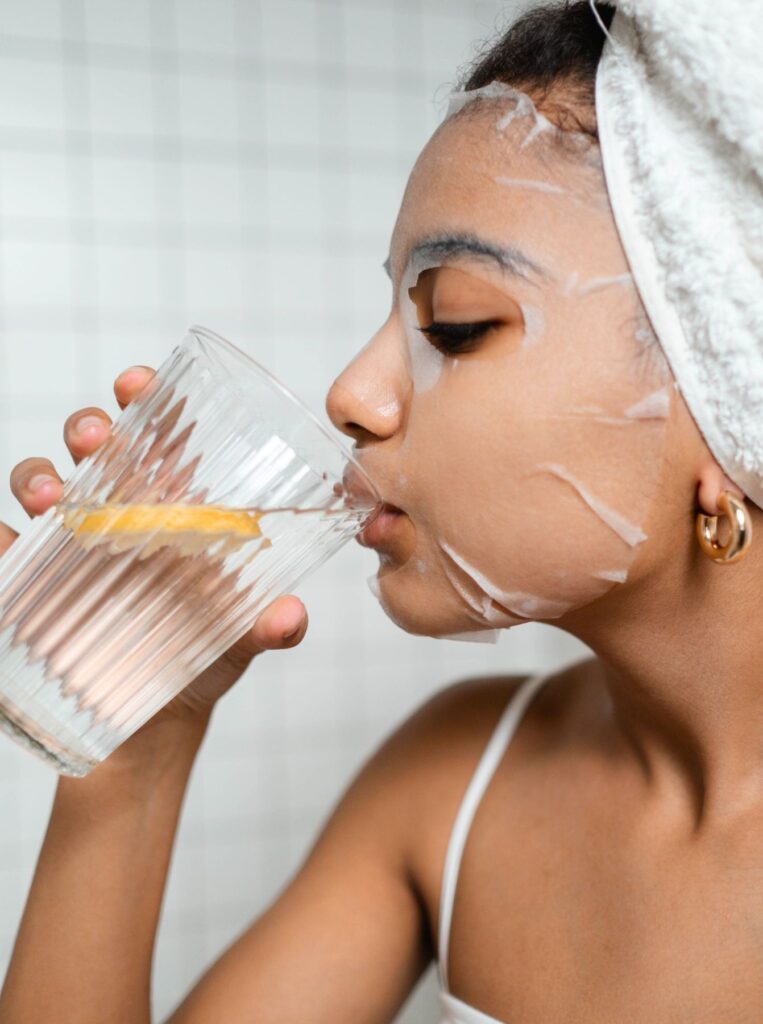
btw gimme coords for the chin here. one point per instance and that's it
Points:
(415, 606)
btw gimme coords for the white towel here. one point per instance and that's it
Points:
(679, 93)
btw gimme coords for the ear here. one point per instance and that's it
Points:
(711, 481)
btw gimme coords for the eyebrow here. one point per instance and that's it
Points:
(442, 247)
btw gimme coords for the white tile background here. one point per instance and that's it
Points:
(236, 163)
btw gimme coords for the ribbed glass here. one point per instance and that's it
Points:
(99, 631)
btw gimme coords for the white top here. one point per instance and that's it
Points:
(454, 1011)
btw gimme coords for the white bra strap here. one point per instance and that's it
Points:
(491, 758)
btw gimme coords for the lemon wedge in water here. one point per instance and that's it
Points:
(189, 528)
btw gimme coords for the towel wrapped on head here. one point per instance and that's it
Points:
(679, 92)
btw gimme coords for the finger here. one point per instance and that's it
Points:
(7, 537)
(36, 485)
(282, 624)
(130, 383)
(86, 430)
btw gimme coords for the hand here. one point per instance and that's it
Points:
(37, 486)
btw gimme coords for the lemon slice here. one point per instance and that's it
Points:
(189, 528)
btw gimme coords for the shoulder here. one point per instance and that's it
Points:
(415, 776)
(432, 756)
(396, 815)
(418, 775)
(449, 731)
(453, 726)
(435, 749)
(443, 736)
(410, 787)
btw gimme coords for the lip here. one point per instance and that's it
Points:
(382, 528)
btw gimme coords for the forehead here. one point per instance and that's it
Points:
(490, 172)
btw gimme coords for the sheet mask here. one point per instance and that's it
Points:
(373, 586)
(524, 109)
(540, 186)
(482, 636)
(570, 285)
(532, 470)
(425, 362)
(597, 283)
(535, 324)
(461, 98)
(624, 528)
(655, 405)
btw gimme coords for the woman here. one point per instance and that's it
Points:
(540, 462)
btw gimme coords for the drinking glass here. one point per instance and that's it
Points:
(217, 491)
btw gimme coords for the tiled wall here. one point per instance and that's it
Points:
(235, 163)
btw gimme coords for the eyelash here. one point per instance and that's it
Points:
(457, 338)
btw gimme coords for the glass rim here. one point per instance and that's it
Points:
(218, 339)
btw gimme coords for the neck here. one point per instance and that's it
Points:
(681, 658)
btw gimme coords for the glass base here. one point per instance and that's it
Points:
(49, 749)
(35, 713)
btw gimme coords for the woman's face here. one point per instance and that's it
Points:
(514, 404)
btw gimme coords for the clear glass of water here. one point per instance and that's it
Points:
(217, 492)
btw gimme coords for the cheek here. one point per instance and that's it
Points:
(534, 472)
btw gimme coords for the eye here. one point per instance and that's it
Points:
(452, 338)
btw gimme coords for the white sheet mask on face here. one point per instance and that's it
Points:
(616, 575)
(539, 186)
(535, 323)
(629, 532)
(571, 283)
(595, 284)
(478, 636)
(655, 405)
(517, 106)
(525, 108)
(526, 606)
(573, 418)
(373, 586)
(481, 612)
(474, 602)
(426, 363)
(461, 98)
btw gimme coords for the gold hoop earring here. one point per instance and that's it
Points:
(741, 530)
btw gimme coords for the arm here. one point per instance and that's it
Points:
(84, 948)
(85, 942)
(345, 939)
(344, 943)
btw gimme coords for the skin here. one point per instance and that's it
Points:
(612, 870)
(520, 525)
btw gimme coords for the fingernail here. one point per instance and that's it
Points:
(87, 423)
(38, 481)
(133, 369)
(293, 634)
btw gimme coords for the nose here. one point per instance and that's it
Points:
(366, 399)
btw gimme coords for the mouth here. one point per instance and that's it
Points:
(383, 528)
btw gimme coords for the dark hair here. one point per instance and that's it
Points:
(553, 46)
